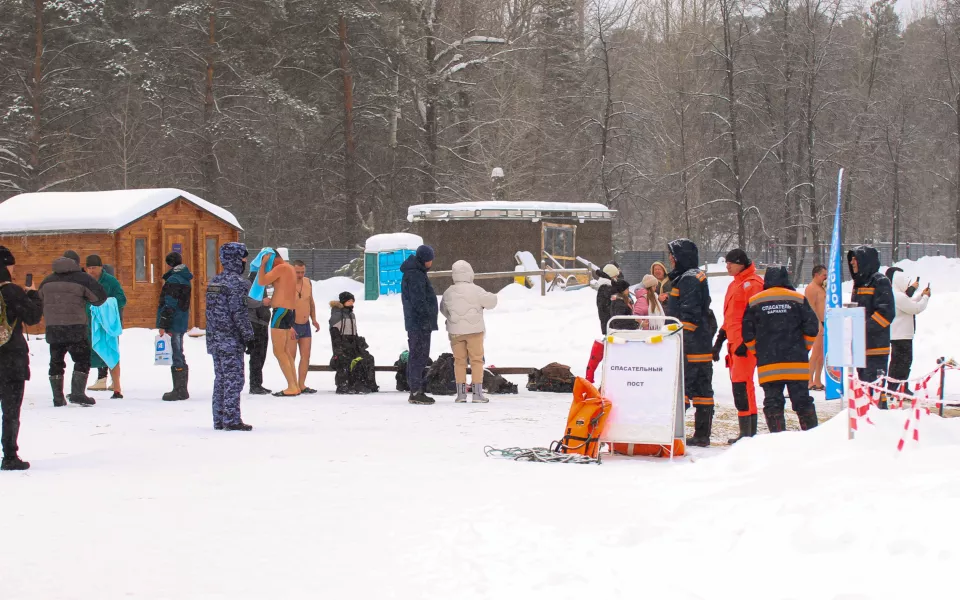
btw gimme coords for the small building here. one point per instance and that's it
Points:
(383, 255)
(488, 235)
(132, 230)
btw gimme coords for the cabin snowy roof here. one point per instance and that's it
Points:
(582, 211)
(60, 212)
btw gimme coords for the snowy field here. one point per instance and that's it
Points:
(370, 497)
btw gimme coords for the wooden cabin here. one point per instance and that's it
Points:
(489, 234)
(131, 230)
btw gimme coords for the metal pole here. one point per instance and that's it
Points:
(943, 380)
(543, 277)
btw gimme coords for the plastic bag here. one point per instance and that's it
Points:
(163, 351)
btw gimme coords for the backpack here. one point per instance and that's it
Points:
(497, 384)
(441, 378)
(402, 384)
(552, 378)
(6, 329)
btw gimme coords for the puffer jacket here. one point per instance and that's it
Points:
(418, 296)
(780, 327)
(904, 324)
(343, 324)
(464, 302)
(65, 295)
(689, 301)
(228, 323)
(173, 313)
(604, 292)
(259, 314)
(745, 286)
(23, 308)
(873, 292)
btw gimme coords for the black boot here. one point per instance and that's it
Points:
(241, 426)
(77, 386)
(179, 392)
(13, 463)
(420, 398)
(56, 384)
(259, 390)
(702, 426)
(753, 425)
(775, 419)
(746, 425)
(808, 418)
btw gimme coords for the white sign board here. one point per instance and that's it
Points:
(846, 344)
(642, 378)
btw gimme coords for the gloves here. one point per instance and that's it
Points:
(741, 350)
(718, 345)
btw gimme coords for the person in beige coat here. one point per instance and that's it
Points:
(463, 305)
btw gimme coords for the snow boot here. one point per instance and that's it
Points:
(478, 396)
(808, 418)
(420, 398)
(241, 426)
(259, 390)
(776, 422)
(56, 384)
(77, 385)
(753, 425)
(746, 429)
(179, 392)
(461, 393)
(702, 425)
(13, 463)
(99, 386)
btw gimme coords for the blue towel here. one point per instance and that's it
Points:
(105, 331)
(256, 290)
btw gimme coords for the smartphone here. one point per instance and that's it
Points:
(29, 280)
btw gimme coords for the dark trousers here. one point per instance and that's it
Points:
(102, 372)
(11, 399)
(799, 395)
(258, 353)
(419, 342)
(227, 387)
(901, 359)
(176, 345)
(79, 353)
(876, 368)
(698, 382)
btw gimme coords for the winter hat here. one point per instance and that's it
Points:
(650, 281)
(72, 256)
(6, 257)
(346, 297)
(738, 257)
(611, 271)
(94, 261)
(174, 259)
(620, 286)
(425, 254)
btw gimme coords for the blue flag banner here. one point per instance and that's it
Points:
(834, 380)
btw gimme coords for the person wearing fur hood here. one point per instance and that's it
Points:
(463, 305)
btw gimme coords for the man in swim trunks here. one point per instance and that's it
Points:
(284, 281)
(306, 311)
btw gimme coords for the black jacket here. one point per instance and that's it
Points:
(779, 326)
(65, 294)
(620, 308)
(689, 301)
(873, 292)
(420, 308)
(22, 307)
(259, 314)
(604, 292)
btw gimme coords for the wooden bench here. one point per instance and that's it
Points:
(393, 369)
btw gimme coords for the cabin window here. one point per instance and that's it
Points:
(211, 257)
(559, 245)
(140, 251)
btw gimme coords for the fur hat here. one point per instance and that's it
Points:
(611, 271)
(174, 259)
(649, 281)
(94, 261)
(738, 257)
(6, 257)
(346, 297)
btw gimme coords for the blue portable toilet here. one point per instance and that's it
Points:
(383, 255)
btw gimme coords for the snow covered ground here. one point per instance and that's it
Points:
(370, 497)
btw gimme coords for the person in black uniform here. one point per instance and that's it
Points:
(873, 292)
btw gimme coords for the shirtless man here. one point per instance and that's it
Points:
(817, 297)
(306, 311)
(284, 281)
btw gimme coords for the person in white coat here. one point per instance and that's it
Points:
(902, 329)
(463, 305)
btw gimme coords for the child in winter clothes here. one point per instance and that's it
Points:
(348, 346)
(648, 302)
(463, 305)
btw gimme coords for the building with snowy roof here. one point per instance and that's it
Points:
(131, 230)
(488, 235)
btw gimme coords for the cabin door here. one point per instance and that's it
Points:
(180, 240)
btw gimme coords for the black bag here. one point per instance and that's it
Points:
(552, 378)
(441, 378)
(497, 384)
(402, 384)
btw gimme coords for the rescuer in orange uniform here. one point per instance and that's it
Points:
(746, 284)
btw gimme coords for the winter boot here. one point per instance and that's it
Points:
(13, 463)
(179, 392)
(753, 425)
(702, 425)
(77, 385)
(99, 386)
(259, 390)
(420, 398)
(478, 394)
(746, 424)
(882, 403)
(56, 384)
(241, 426)
(775, 419)
(461, 393)
(808, 418)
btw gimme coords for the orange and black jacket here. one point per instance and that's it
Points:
(873, 292)
(780, 327)
(689, 301)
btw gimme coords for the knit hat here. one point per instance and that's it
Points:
(620, 286)
(611, 271)
(6, 257)
(94, 261)
(738, 257)
(649, 281)
(346, 297)
(72, 256)
(425, 254)
(174, 259)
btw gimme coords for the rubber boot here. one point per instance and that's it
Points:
(775, 419)
(77, 386)
(753, 425)
(56, 384)
(808, 418)
(461, 393)
(179, 392)
(184, 384)
(746, 425)
(596, 357)
(702, 426)
(478, 396)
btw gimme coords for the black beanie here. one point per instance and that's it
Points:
(94, 261)
(72, 256)
(346, 297)
(174, 259)
(620, 286)
(738, 257)
(6, 257)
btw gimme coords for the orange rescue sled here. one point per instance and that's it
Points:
(588, 415)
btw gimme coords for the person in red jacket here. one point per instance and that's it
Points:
(746, 284)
